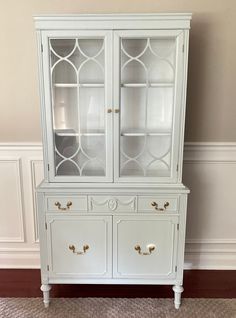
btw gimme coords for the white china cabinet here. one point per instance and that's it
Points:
(112, 207)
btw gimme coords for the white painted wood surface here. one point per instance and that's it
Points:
(160, 232)
(93, 232)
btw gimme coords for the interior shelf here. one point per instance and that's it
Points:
(148, 133)
(96, 85)
(72, 132)
(147, 84)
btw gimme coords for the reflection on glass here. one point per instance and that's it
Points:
(77, 80)
(147, 96)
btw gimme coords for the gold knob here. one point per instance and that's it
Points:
(73, 249)
(117, 110)
(154, 204)
(109, 110)
(68, 205)
(150, 247)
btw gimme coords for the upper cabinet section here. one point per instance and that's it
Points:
(113, 97)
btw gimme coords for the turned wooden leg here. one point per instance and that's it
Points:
(177, 290)
(46, 299)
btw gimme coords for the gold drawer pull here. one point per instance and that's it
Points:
(109, 110)
(68, 205)
(150, 247)
(85, 248)
(117, 110)
(160, 209)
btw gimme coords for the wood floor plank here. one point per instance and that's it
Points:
(197, 284)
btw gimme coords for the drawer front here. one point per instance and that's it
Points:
(158, 204)
(103, 204)
(66, 203)
(79, 246)
(145, 248)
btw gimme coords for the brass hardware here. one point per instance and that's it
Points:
(154, 204)
(68, 205)
(109, 110)
(117, 110)
(85, 248)
(150, 247)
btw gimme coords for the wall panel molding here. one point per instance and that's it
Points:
(209, 171)
(12, 192)
(203, 152)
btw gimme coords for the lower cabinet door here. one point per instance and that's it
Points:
(145, 246)
(80, 246)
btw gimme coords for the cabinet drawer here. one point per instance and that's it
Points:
(145, 248)
(79, 246)
(158, 204)
(66, 203)
(103, 204)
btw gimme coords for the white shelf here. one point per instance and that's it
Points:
(68, 85)
(72, 132)
(97, 85)
(147, 85)
(149, 133)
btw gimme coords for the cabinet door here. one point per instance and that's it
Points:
(148, 84)
(77, 84)
(79, 246)
(145, 247)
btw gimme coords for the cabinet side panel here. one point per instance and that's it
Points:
(42, 102)
(42, 238)
(181, 240)
(184, 93)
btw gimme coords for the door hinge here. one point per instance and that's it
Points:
(183, 48)
(177, 227)
(177, 168)
(41, 47)
(47, 267)
(46, 227)
(175, 268)
(48, 167)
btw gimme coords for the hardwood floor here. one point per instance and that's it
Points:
(197, 284)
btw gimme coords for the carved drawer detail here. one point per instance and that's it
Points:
(112, 204)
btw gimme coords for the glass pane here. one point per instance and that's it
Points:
(77, 82)
(147, 97)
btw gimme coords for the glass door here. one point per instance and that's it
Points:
(148, 98)
(79, 95)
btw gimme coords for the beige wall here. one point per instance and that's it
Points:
(211, 99)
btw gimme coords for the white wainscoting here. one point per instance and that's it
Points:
(209, 171)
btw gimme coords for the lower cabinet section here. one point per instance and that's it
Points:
(80, 246)
(145, 247)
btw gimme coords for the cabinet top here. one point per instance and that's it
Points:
(114, 21)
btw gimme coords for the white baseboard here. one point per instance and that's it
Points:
(209, 171)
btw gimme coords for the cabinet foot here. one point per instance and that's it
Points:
(46, 299)
(177, 290)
